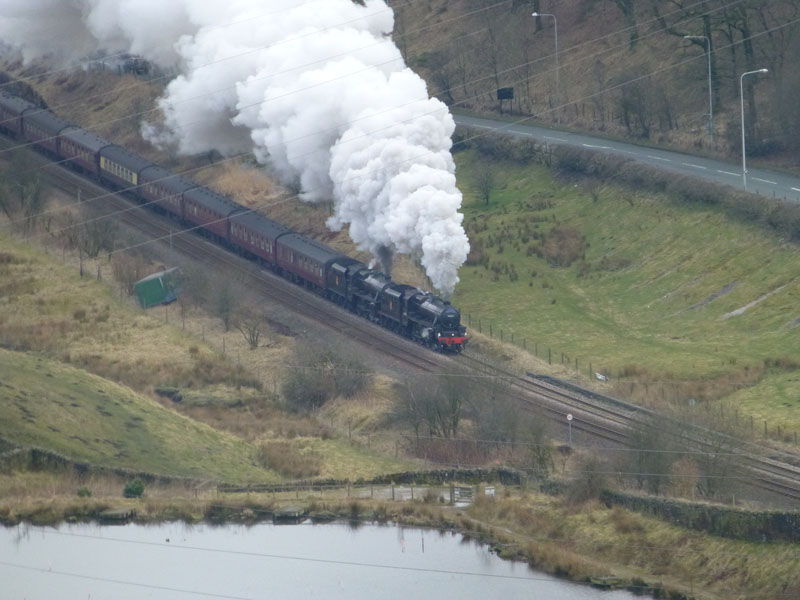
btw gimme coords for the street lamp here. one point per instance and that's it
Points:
(710, 92)
(741, 95)
(558, 89)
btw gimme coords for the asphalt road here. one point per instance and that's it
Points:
(759, 181)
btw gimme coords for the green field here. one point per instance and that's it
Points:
(655, 290)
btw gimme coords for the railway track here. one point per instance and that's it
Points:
(613, 420)
(600, 417)
(258, 279)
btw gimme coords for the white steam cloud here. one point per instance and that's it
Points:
(315, 88)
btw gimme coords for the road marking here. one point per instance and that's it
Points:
(796, 189)
(659, 158)
(547, 137)
(765, 181)
(597, 147)
(729, 173)
(695, 166)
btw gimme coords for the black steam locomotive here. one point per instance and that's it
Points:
(404, 309)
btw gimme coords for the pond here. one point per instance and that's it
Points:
(175, 561)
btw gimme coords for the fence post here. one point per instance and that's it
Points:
(490, 330)
(549, 357)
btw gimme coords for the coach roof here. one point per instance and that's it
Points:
(46, 121)
(212, 200)
(166, 179)
(310, 248)
(123, 157)
(260, 224)
(87, 139)
(16, 105)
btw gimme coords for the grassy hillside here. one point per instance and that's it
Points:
(640, 286)
(48, 404)
(80, 368)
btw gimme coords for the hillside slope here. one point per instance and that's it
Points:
(623, 68)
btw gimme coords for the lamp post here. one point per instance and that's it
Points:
(558, 87)
(741, 95)
(710, 92)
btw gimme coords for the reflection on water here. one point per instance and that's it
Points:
(174, 561)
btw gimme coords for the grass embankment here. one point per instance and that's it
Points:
(86, 388)
(89, 419)
(591, 540)
(637, 285)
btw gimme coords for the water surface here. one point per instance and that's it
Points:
(174, 561)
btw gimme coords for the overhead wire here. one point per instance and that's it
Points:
(501, 127)
(193, 69)
(247, 154)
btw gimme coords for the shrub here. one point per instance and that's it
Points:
(84, 492)
(134, 489)
(289, 462)
(590, 481)
(324, 373)
(563, 246)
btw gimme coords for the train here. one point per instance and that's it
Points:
(406, 310)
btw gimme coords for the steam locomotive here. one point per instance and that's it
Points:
(404, 309)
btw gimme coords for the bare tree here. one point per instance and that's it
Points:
(249, 324)
(128, 269)
(22, 193)
(485, 182)
(438, 63)
(519, 435)
(320, 374)
(654, 448)
(628, 10)
(436, 403)
(97, 234)
(224, 302)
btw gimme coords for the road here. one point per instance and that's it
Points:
(759, 181)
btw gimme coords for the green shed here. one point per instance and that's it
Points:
(159, 288)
